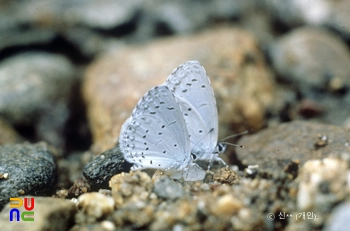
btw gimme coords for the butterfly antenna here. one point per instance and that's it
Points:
(234, 145)
(234, 135)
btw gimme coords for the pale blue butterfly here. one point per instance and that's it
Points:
(174, 123)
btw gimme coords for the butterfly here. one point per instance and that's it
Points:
(173, 124)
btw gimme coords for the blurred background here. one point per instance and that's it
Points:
(59, 58)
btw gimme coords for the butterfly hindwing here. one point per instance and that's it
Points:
(155, 136)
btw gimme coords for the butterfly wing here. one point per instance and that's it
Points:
(192, 89)
(155, 136)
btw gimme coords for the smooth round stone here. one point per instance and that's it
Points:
(29, 170)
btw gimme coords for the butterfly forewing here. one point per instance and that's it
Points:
(192, 89)
(155, 136)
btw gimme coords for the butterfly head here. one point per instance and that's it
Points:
(220, 148)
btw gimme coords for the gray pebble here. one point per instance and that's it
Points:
(34, 92)
(284, 147)
(312, 59)
(99, 171)
(166, 188)
(30, 170)
(317, 63)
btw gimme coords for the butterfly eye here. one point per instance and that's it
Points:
(221, 148)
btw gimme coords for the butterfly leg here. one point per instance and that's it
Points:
(215, 157)
(193, 173)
